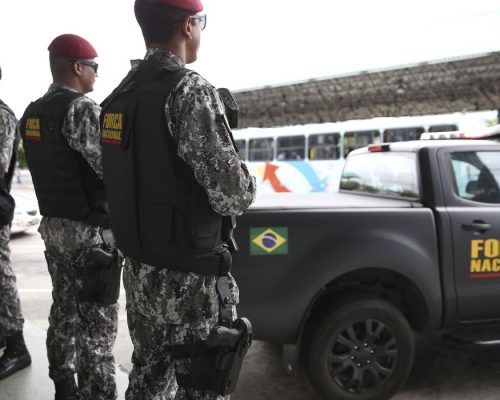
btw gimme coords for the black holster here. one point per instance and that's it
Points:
(101, 275)
(233, 345)
(216, 363)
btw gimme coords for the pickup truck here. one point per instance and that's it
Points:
(345, 281)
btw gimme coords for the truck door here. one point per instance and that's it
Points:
(474, 213)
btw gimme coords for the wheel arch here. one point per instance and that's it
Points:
(382, 283)
(389, 285)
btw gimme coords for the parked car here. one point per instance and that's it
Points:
(26, 214)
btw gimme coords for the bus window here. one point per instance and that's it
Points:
(403, 134)
(291, 148)
(242, 147)
(355, 140)
(443, 128)
(324, 146)
(261, 149)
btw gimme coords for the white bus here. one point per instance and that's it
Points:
(309, 158)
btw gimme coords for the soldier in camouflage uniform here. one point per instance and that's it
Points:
(16, 355)
(168, 307)
(81, 334)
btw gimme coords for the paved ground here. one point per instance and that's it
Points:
(442, 371)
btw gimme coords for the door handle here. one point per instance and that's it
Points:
(477, 226)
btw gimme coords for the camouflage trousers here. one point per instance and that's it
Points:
(166, 308)
(81, 335)
(11, 319)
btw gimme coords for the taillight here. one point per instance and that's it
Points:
(375, 148)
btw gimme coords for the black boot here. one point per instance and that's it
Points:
(66, 389)
(15, 355)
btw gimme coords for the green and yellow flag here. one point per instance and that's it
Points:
(268, 241)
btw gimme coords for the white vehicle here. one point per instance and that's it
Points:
(26, 214)
(492, 133)
(309, 158)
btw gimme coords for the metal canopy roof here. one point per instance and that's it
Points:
(445, 86)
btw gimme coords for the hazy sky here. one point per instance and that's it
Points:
(250, 43)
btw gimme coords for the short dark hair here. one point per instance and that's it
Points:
(55, 65)
(158, 22)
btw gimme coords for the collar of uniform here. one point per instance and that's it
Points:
(54, 87)
(166, 56)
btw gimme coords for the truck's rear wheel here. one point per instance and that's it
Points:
(361, 350)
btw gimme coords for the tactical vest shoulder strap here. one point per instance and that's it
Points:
(55, 104)
(60, 100)
(147, 72)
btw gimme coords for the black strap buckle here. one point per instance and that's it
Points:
(223, 290)
(226, 260)
(225, 306)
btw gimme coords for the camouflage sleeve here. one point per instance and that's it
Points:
(204, 143)
(8, 128)
(81, 130)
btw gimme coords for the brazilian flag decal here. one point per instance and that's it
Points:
(268, 241)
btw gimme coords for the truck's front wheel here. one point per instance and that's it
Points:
(361, 350)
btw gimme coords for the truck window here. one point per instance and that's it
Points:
(386, 174)
(291, 148)
(477, 175)
(261, 149)
(324, 146)
(242, 147)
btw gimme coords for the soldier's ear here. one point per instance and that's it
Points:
(186, 27)
(77, 69)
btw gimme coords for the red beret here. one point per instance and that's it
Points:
(188, 5)
(69, 45)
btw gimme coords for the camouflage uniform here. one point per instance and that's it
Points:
(11, 319)
(81, 335)
(166, 307)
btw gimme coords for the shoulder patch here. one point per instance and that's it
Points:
(112, 128)
(33, 129)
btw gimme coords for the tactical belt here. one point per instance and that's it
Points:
(215, 264)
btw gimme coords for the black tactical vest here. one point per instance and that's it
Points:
(160, 214)
(65, 184)
(7, 204)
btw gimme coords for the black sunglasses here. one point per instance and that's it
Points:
(202, 18)
(92, 64)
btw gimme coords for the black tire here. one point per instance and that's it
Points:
(361, 350)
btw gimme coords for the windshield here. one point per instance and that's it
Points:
(381, 173)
